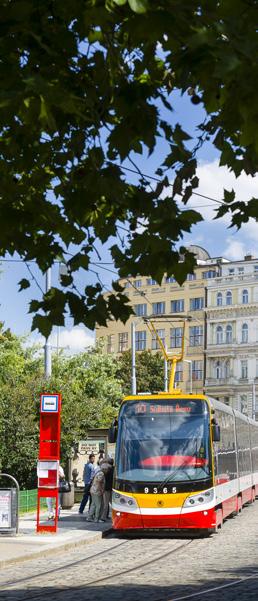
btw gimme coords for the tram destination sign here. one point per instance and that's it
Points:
(169, 407)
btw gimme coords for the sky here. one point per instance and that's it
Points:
(214, 236)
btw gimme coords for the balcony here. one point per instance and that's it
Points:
(230, 381)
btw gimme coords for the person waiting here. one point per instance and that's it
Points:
(96, 490)
(88, 475)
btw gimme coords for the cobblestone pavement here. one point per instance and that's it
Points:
(224, 567)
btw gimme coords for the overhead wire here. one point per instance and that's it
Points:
(157, 179)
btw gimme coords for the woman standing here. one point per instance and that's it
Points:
(96, 490)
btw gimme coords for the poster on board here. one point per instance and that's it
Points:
(5, 509)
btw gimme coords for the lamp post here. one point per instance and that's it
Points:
(190, 373)
(133, 347)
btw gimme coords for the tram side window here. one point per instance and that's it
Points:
(254, 444)
(226, 460)
(243, 444)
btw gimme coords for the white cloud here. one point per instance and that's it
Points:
(74, 339)
(212, 180)
(234, 250)
(70, 340)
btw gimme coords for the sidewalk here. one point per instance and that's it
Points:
(73, 530)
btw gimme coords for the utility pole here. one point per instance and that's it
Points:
(47, 353)
(190, 373)
(133, 373)
(165, 373)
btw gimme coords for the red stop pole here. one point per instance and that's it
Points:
(49, 455)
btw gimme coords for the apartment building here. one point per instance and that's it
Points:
(232, 335)
(150, 299)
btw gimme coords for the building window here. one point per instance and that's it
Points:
(140, 340)
(209, 274)
(158, 308)
(243, 403)
(231, 271)
(229, 298)
(244, 332)
(110, 343)
(197, 370)
(245, 297)
(244, 369)
(177, 305)
(170, 280)
(122, 342)
(218, 370)
(151, 282)
(196, 304)
(140, 310)
(191, 276)
(137, 283)
(256, 269)
(196, 336)
(154, 342)
(176, 337)
(219, 335)
(229, 334)
(127, 284)
(240, 270)
(219, 299)
(179, 372)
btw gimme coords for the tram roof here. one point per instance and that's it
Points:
(146, 396)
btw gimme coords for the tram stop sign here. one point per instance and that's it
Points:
(49, 403)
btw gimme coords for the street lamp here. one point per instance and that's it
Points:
(253, 400)
(190, 373)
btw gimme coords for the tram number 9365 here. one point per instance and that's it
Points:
(155, 490)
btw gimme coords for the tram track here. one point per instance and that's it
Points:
(60, 568)
(86, 584)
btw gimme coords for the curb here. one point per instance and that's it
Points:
(45, 552)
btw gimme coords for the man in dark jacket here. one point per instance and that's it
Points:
(108, 469)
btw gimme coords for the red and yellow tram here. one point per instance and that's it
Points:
(184, 462)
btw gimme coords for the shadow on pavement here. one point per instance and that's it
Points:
(238, 584)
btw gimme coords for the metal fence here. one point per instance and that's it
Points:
(28, 500)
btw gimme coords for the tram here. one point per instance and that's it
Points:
(184, 462)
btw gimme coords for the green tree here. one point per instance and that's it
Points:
(149, 371)
(83, 84)
(91, 393)
(20, 376)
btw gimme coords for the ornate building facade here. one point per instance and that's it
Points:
(232, 335)
(150, 299)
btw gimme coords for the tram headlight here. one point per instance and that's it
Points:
(202, 498)
(119, 499)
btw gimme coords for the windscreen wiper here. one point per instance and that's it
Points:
(169, 478)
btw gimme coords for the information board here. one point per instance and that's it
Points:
(5, 509)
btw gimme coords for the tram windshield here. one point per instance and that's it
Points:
(163, 440)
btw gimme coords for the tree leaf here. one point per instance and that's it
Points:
(139, 6)
(43, 324)
(24, 283)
